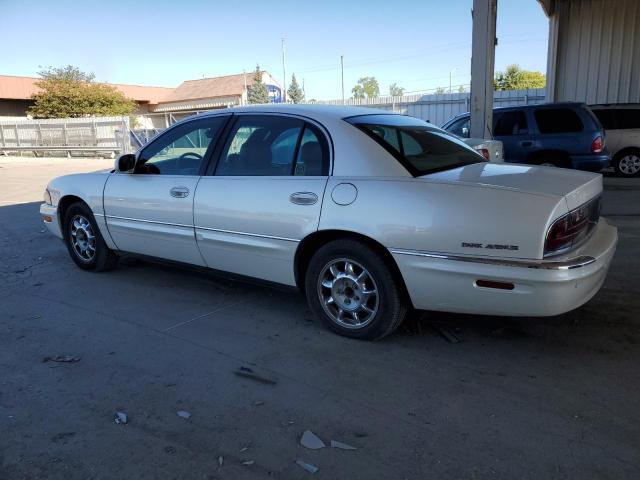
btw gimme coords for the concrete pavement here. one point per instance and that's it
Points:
(515, 398)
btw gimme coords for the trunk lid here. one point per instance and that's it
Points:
(576, 187)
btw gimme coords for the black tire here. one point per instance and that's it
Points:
(390, 299)
(101, 258)
(630, 154)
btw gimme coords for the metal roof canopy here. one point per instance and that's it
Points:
(593, 54)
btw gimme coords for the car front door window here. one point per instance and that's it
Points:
(182, 150)
(460, 128)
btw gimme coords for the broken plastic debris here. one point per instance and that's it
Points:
(248, 462)
(183, 414)
(61, 359)
(244, 449)
(220, 460)
(307, 466)
(311, 440)
(342, 446)
(121, 417)
(257, 403)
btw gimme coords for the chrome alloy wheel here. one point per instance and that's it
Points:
(348, 293)
(630, 164)
(82, 238)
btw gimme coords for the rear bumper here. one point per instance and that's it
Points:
(591, 163)
(49, 215)
(540, 288)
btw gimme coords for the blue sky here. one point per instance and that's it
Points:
(413, 43)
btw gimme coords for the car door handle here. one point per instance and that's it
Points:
(526, 144)
(303, 198)
(179, 192)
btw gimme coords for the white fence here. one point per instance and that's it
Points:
(113, 134)
(440, 108)
(98, 134)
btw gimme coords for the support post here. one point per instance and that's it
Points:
(482, 66)
(342, 75)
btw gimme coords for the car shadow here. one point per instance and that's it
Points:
(33, 258)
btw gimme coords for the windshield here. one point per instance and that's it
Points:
(419, 146)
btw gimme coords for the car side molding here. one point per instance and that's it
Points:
(570, 264)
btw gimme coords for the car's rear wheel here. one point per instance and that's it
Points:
(627, 163)
(84, 241)
(355, 293)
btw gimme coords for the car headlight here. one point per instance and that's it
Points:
(47, 197)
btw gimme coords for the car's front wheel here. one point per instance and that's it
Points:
(84, 241)
(355, 293)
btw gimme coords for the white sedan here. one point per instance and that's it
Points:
(369, 213)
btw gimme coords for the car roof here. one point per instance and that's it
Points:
(314, 111)
(603, 106)
(528, 107)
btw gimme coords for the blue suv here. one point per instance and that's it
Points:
(560, 134)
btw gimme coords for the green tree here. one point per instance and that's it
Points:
(440, 90)
(258, 92)
(295, 93)
(515, 78)
(69, 92)
(366, 86)
(461, 89)
(395, 90)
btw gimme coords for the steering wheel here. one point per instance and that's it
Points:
(190, 154)
(181, 164)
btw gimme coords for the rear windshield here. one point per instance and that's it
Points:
(419, 146)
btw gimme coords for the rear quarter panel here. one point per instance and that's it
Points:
(424, 215)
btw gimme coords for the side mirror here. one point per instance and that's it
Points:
(125, 162)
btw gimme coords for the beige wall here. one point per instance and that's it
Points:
(594, 51)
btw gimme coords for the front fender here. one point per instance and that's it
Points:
(88, 187)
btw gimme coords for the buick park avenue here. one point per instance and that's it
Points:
(369, 213)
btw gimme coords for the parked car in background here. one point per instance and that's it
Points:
(367, 212)
(554, 134)
(621, 123)
(491, 150)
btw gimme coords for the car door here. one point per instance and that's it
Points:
(512, 129)
(150, 210)
(263, 195)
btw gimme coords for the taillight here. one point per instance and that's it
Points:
(569, 229)
(597, 145)
(485, 153)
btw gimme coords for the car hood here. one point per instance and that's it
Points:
(576, 186)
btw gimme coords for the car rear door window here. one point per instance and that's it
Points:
(629, 118)
(312, 159)
(263, 145)
(510, 123)
(558, 120)
(274, 145)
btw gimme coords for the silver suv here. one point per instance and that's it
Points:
(622, 126)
